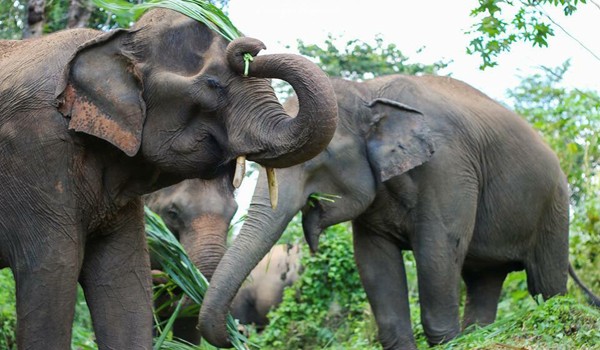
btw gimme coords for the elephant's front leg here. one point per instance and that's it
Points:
(381, 268)
(117, 283)
(46, 268)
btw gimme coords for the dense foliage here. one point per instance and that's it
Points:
(327, 305)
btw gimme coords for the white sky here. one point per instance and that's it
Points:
(436, 25)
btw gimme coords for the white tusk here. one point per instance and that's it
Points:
(240, 171)
(273, 187)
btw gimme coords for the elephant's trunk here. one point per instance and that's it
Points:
(284, 141)
(258, 235)
(206, 243)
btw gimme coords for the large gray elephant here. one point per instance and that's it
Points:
(427, 164)
(90, 121)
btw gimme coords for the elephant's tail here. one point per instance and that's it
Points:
(593, 299)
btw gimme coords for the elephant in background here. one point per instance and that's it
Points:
(263, 290)
(90, 121)
(427, 164)
(198, 212)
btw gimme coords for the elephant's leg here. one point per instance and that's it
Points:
(483, 292)
(46, 283)
(117, 283)
(381, 268)
(438, 273)
(547, 265)
(442, 233)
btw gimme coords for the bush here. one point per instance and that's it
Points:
(327, 306)
(8, 317)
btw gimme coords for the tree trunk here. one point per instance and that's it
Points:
(79, 15)
(34, 24)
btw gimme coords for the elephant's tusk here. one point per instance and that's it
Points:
(273, 187)
(240, 171)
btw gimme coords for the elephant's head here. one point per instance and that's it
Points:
(171, 92)
(198, 212)
(376, 139)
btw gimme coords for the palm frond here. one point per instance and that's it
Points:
(176, 263)
(202, 11)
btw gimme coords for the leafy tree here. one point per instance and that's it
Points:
(501, 23)
(12, 19)
(359, 60)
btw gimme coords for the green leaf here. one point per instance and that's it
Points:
(199, 10)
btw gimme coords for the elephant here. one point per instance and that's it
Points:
(263, 290)
(198, 212)
(428, 164)
(90, 121)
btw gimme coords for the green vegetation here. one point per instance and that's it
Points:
(359, 60)
(178, 266)
(327, 305)
(327, 309)
(8, 318)
(500, 24)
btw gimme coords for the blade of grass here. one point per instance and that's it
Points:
(169, 325)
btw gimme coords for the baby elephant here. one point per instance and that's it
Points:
(263, 290)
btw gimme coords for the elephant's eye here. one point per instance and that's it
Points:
(214, 83)
(172, 214)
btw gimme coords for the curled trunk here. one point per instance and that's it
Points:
(284, 141)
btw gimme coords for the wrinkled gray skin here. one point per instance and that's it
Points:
(263, 290)
(90, 121)
(198, 212)
(427, 164)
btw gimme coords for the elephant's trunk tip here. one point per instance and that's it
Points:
(238, 48)
(213, 329)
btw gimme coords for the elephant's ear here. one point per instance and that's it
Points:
(399, 138)
(102, 93)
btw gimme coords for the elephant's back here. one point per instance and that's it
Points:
(466, 120)
(32, 68)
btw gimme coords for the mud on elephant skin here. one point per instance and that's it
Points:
(263, 289)
(427, 164)
(90, 121)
